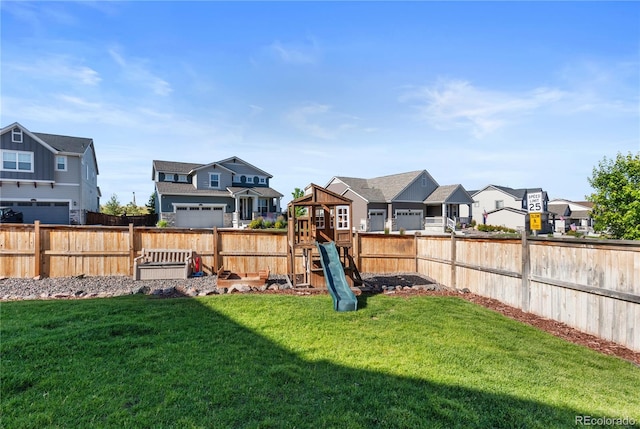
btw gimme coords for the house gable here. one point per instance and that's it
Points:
(417, 189)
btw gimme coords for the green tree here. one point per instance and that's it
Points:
(112, 207)
(297, 193)
(132, 209)
(616, 200)
(151, 204)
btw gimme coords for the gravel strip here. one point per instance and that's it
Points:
(12, 289)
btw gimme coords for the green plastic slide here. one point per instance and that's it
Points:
(343, 297)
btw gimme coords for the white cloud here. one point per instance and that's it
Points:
(451, 104)
(319, 120)
(57, 68)
(296, 53)
(135, 70)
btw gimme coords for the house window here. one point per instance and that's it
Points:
(263, 205)
(320, 219)
(168, 177)
(17, 161)
(16, 135)
(182, 178)
(61, 163)
(342, 217)
(499, 204)
(263, 180)
(214, 180)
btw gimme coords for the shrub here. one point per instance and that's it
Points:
(268, 224)
(257, 223)
(162, 223)
(402, 231)
(280, 223)
(386, 231)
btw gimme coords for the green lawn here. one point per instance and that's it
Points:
(262, 361)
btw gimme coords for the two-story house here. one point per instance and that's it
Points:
(405, 201)
(48, 177)
(226, 193)
(504, 206)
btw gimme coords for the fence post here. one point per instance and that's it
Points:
(132, 250)
(37, 252)
(526, 297)
(453, 259)
(214, 269)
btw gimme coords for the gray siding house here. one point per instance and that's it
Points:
(409, 201)
(227, 193)
(505, 206)
(48, 177)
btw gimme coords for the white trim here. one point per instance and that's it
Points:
(27, 180)
(17, 153)
(14, 134)
(39, 200)
(209, 182)
(66, 162)
(30, 134)
(214, 205)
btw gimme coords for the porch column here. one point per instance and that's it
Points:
(236, 213)
(389, 221)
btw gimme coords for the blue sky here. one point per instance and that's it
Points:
(507, 93)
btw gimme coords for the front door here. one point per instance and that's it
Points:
(246, 208)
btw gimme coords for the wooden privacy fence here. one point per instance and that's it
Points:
(593, 286)
(63, 251)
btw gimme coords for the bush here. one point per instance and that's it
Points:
(280, 223)
(495, 228)
(162, 223)
(402, 231)
(257, 223)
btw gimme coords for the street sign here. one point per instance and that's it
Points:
(534, 202)
(535, 221)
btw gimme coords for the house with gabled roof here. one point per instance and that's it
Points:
(505, 206)
(569, 215)
(226, 193)
(48, 177)
(400, 201)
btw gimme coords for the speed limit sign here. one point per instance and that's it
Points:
(534, 202)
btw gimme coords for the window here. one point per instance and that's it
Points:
(320, 219)
(263, 180)
(263, 205)
(182, 178)
(17, 161)
(342, 217)
(16, 135)
(214, 180)
(61, 163)
(168, 177)
(499, 204)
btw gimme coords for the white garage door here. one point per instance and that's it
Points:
(199, 217)
(409, 220)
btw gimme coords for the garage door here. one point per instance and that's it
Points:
(376, 221)
(409, 220)
(46, 212)
(199, 217)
